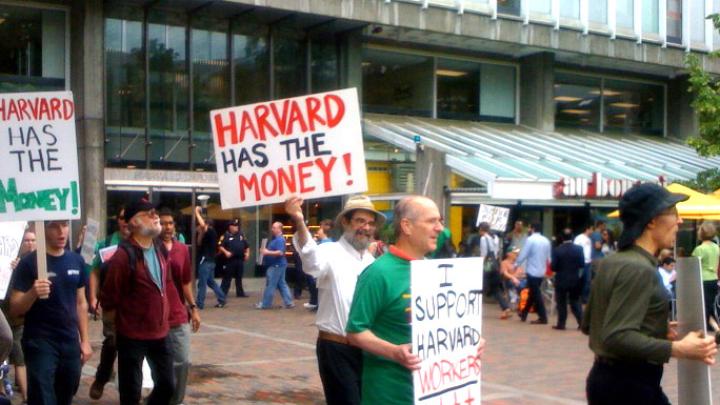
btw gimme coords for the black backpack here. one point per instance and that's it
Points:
(132, 261)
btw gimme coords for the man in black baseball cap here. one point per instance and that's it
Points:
(627, 315)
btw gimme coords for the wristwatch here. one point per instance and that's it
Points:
(192, 306)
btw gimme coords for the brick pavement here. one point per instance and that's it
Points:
(247, 356)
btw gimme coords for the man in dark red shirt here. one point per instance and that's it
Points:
(134, 296)
(179, 295)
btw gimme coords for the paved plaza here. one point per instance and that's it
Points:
(246, 356)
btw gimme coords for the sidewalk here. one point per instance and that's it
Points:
(246, 356)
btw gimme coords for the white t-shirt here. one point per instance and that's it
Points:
(585, 243)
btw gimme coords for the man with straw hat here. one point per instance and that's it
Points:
(627, 314)
(337, 265)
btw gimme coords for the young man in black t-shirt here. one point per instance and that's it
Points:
(55, 340)
(207, 242)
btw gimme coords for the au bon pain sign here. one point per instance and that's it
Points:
(309, 146)
(597, 187)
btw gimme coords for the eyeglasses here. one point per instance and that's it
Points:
(149, 213)
(361, 222)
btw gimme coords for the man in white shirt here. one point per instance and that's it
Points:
(583, 240)
(337, 265)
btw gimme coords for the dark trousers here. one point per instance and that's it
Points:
(621, 383)
(340, 368)
(710, 290)
(303, 278)
(535, 299)
(586, 281)
(130, 358)
(561, 295)
(53, 371)
(108, 353)
(494, 288)
(233, 269)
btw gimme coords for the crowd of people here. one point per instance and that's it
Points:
(141, 285)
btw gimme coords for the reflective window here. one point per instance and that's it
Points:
(577, 101)
(252, 64)
(625, 13)
(124, 88)
(597, 11)
(324, 64)
(651, 16)
(497, 92)
(397, 83)
(169, 85)
(211, 88)
(633, 107)
(32, 50)
(458, 89)
(540, 6)
(570, 9)
(697, 21)
(511, 7)
(674, 21)
(290, 61)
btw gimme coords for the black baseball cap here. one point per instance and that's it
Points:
(639, 205)
(235, 222)
(137, 206)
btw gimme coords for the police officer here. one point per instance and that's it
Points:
(236, 250)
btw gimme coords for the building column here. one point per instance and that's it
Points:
(537, 76)
(351, 61)
(432, 176)
(86, 61)
(681, 119)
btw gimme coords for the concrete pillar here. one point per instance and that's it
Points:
(351, 61)
(681, 119)
(431, 177)
(537, 108)
(86, 72)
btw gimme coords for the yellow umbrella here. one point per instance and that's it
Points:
(698, 206)
(716, 192)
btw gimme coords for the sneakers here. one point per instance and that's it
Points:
(290, 306)
(259, 306)
(309, 306)
(96, 390)
(220, 305)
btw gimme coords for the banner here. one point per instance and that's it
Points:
(38, 157)
(87, 251)
(309, 146)
(497, 217)
(11, 235)
(446, 310)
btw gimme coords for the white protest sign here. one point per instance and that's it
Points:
(309, 146)
(446, 328)
(38, 157)
(497, 217)
(11, 234)
(87, 251)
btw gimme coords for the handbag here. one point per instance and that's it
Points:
(490, 264)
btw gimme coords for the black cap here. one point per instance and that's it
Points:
(235, 222)
(136, 206)
(639, 205)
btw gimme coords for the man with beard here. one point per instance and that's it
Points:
(108, 352)
(379, 319)
(134, 295)
(55, 339)
(627, 315)
(337, 265)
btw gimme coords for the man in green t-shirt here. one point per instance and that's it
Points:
(379, 320)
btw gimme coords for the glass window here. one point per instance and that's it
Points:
(633, 107)
(169, 86)
(32, 50)
(210, 84)
(577, 101)
(651, 16)
(511, 7)
(289, 64)
(624, 13)
(324, 64)
(597, 11)
(497, 92)
(674, 21)
(540, 6)
(397, 83)
(252, 64)
(458, 89)
(697, 21)
(570, 9)
(124, 88)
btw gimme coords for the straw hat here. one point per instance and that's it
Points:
(361, 202)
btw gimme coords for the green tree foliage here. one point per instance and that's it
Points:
(706, 89)
(706, 181)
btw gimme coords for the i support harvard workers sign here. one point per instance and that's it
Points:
(309, 146)
(38, 157)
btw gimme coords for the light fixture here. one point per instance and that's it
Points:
(131, 167)
(625, 105)
(450, 73)
(567, 98)
(607, 93)
(575, 111)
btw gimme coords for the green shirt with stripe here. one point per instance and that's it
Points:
(382, 305)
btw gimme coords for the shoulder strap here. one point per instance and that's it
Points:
(131, 253)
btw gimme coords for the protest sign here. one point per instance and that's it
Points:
(11, 234)
(38, 157)
(497, 217)
(309, 146)
(87, 251)
(446, 310)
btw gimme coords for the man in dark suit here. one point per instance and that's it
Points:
(568, 262)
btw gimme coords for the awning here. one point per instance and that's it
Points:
(513, 159)
(698, 206)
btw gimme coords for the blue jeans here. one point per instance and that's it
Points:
(53, 370)
(180, 342)
(276, 280)
(206, 278)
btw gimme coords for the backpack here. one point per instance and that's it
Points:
(490, 264)
(132, 261)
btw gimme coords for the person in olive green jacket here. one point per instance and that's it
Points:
(627, 314)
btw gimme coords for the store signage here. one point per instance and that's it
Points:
(309, 146)
(446, 318)
(595, 187)
(38, 157)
